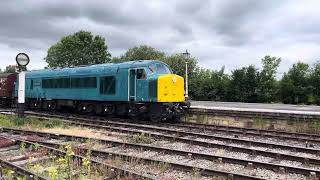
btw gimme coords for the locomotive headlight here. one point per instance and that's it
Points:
(174, 79)
(22, 59)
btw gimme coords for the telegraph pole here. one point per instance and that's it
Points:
(22, 60)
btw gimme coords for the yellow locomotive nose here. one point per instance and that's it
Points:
(170, 88)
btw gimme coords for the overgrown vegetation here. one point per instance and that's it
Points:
(30, 122)
(66, 167)
(140, 138)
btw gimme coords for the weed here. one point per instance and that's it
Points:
(163, 166)
(195, 173)
(86, 165)
(53, 173)
(22, 148)
(141, 138)
(31, 122)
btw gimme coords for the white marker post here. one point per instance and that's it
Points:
(186, 56)
(21, 93)
(22, 60)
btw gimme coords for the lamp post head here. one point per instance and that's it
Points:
(186, 54)
(22, 59)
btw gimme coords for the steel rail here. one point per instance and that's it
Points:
(176, 137)
(250, 114)
(308, 138)
(270, 166)
(179, 166)
(19, 170)
(117, 170)
(178, 133)
(302, 137)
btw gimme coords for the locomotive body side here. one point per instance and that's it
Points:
(144, 89)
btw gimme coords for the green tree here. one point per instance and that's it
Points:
(209, 85)
(243, 85)
(295, 85)
(142, 52)
(177, 62)
(10, 69)
(267, 89)
(315, 83)
(80, 48)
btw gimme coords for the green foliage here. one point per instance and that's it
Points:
(142, 52)
(141, 138)
(14, 121)
(80, 48)
(295, 86)
(243, 85)
(177, 63)
(315, 83)
(10, 69)
(208, 84)
(267, 89)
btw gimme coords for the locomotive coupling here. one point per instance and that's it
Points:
(186, 104)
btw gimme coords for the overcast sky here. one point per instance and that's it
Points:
(233, 33)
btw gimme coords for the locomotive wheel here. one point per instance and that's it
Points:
(98, 109)
(155, 118)
(45, 105)
(90, 108)
(34, 104)
(155, 113)
(52, 105)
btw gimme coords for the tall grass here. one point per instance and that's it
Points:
(31, 122)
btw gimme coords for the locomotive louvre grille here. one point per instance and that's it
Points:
(153, 90)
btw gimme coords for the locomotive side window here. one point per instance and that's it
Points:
(31, 84)
(64, 83)
(108, 85)
(141, 74)
(89, 82)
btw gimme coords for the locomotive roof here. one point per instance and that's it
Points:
(78, 70)
(3, 75)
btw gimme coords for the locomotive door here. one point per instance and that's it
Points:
(132, 84)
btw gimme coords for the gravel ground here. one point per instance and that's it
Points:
(158, 172)
(276, 150)
(282, 141)
(262, 173)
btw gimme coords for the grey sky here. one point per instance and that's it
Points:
(233, 33)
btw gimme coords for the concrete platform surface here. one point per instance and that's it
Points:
(257, 107)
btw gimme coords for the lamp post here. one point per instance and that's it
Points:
(22, 60)
(186, 55)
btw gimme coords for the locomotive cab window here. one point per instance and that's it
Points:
(141, 74)
(108, 85)
(160, 69)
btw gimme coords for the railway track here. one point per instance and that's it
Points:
(172, 133)
(247, 165)
(21, 158)
(315, 138)
(302, 137)
(221, 159)
(107, 153)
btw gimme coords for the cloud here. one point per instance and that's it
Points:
(217, 32)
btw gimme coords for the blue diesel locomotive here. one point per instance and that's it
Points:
(144, 89)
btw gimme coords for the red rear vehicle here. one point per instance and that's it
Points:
(7, 87)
